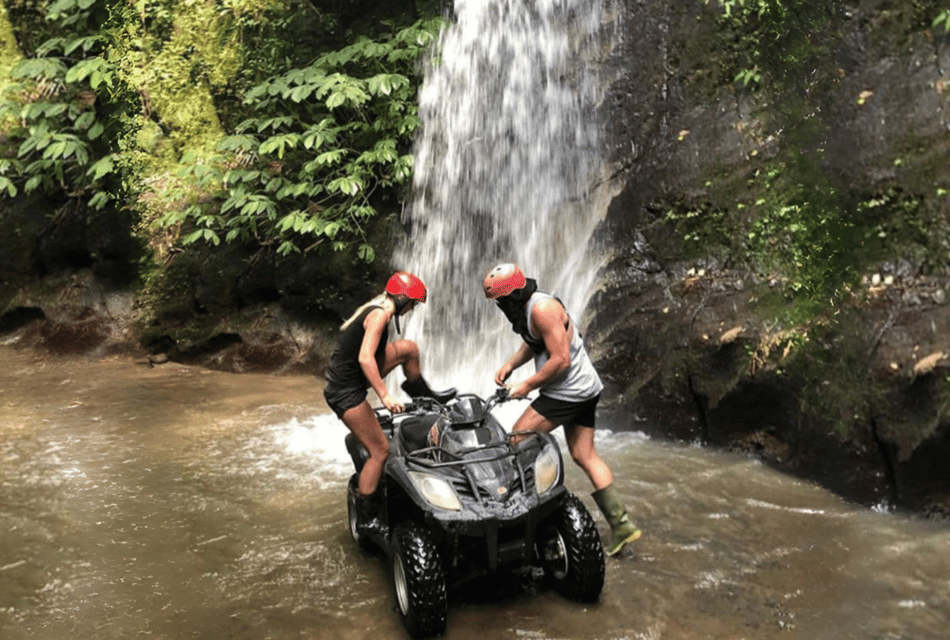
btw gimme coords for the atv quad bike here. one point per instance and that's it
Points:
(461, 498)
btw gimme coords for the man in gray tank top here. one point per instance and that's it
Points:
(568, 385)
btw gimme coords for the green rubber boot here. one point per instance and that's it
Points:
(622, 531)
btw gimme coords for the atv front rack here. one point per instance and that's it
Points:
(436, 457)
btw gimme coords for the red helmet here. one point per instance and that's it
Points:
(406, 284)
(502, 280)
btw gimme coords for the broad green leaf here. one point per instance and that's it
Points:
(366, 253)
(193, 237)
(101, 167)
(62, 6)
(301, 93)
(86, 43)
(85, 68)
(99, 200)
(287, 247)
(7, 185)
(256, 92)
(39, 68)
(293, 220)
(329, 158)
(380, 84)
(202, 234)
(85, 119)
(98, 78)
(236, 143)
(275, 123)
(53, 44)
(343, 185)
(55, 150)
(335, 100)
(32, 184)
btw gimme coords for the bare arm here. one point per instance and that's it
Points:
(374, 325)
(520, 357)
(550, 321)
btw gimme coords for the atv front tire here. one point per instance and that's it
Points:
(571, 552)
(420, 581)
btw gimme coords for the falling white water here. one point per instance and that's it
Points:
(508, 169)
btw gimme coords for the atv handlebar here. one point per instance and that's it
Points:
(502, 394)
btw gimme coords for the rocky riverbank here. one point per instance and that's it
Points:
(858, 403)
(698, 326)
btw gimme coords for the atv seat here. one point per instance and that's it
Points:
(414, 431)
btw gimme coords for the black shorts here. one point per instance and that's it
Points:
(341, 398)
(569, 414)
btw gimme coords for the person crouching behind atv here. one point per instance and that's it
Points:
(362, 358)
(569, 385)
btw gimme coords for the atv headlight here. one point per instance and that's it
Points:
(547, 469)
(436, 491)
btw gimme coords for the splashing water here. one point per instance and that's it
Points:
(507, 170)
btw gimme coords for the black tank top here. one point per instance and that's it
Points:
(345, 369)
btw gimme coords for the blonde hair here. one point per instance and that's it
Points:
(382, 300)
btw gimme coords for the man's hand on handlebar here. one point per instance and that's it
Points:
(502, 374)
(518, 391)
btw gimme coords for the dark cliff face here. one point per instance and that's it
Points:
(686, 333)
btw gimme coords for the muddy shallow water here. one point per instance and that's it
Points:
(175, 502)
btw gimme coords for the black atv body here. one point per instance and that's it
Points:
(462, 498)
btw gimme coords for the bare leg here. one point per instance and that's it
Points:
(404, 353)
(361, 420)
(580, 442)
(531, 420)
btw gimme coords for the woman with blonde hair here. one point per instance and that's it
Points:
(362, 358)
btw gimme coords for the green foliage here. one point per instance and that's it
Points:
(325, 141)
(943, 19)
(703, 229)
(206, 119)
(800, 226)
(56, 140)
(804, 235)
(772, 41)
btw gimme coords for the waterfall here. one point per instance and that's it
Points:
(507, 169)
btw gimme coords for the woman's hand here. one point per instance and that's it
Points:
(390, 402)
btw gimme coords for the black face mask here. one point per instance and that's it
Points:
(513, 306)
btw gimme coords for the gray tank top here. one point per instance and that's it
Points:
(580, 382)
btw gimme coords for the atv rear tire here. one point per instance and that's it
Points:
(571, 552)
(420, 581)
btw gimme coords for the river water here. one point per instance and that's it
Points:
(176, 503)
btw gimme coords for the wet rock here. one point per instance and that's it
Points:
(858, 403)
(71, 314)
